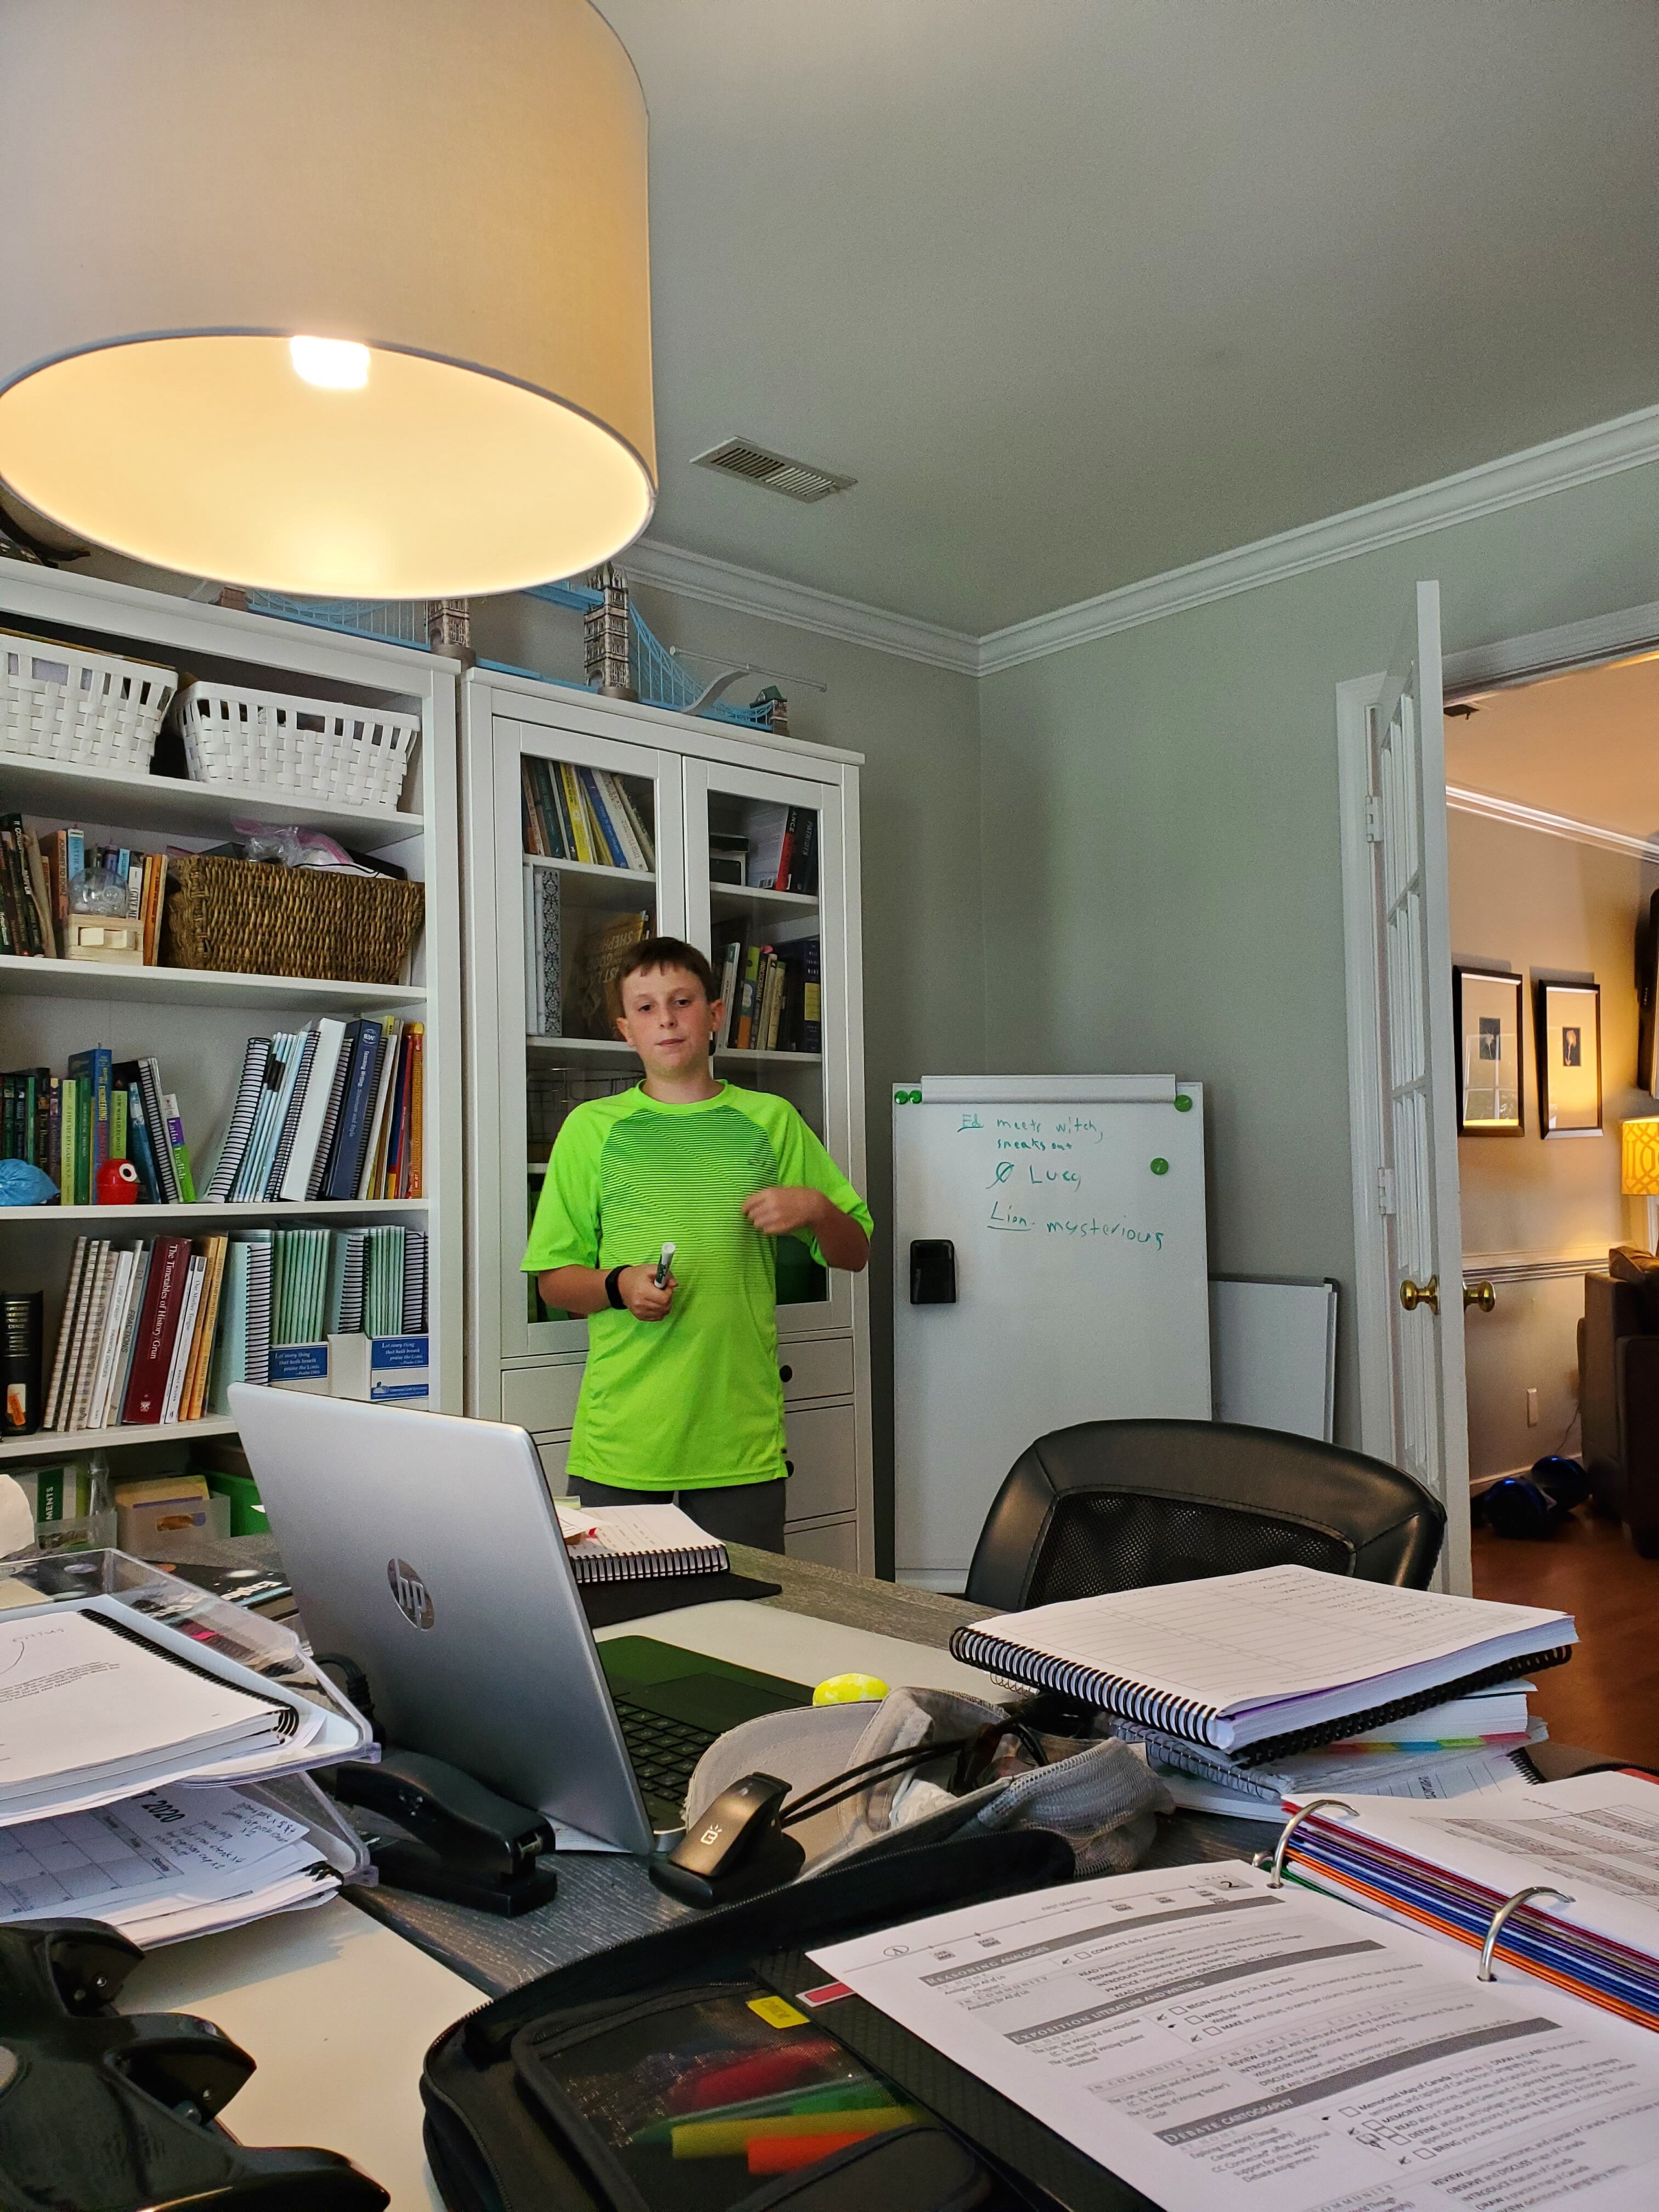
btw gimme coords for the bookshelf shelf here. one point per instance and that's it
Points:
(300, 1213)
(50, 1444)
(751, 897)
(586, 868)
(196, 1023)
(193, 987)
(61, 791)
(801, 1059)
(548, 1048)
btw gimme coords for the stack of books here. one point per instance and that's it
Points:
(100, 1109)
(157, 1331)
(783, 849)
(1244, 1689)
(330, 1111)
(772, 995)
(35, 877)
(586, 814)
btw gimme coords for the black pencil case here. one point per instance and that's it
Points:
(684, 2071)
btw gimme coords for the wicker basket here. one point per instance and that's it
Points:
(317, 750)
(249, 918)
(92, 709)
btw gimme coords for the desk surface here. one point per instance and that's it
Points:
(336, 2012)
(822, 1622)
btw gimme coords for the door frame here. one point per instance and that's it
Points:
(1504, 662)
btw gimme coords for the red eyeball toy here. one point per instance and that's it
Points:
(118, 1183)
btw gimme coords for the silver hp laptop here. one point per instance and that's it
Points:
(425, 1550)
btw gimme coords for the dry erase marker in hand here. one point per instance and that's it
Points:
(663, 1266)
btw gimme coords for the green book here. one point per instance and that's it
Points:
(117, 1125)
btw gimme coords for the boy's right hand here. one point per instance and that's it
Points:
(640, 1294)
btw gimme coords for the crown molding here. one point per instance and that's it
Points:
(1578, 458)
(721, 583)
(1550, 826)
(1581, 457)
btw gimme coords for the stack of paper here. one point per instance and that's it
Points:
(173, 1863)
(97, 1704)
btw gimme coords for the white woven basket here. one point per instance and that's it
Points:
(315, 749)
(91, 710)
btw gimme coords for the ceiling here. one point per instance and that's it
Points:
(1585, 745)
(1081, 290)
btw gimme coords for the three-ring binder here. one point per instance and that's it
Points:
(1499, 1919)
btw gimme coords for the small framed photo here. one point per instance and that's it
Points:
(1488, 1013)
(1568, 1059)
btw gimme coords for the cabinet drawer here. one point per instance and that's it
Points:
(831, 1544)
(556, 1459)
(541, 1397)
(819, 1447)
(820, 1368)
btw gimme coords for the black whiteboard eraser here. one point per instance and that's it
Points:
(932, 1272)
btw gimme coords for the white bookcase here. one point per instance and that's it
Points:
(686, 777)
(196, 1023)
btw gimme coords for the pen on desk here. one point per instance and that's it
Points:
(663, 1266)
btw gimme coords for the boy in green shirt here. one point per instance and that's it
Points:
(681, 1400)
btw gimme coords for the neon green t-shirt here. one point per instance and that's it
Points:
(693, 1400)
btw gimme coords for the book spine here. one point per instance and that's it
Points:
(646, 842)
(65, 1333)
(558, 842)
(534, 839)
(90, 1334)
(291, 1118)
(256, 1057)
(157, 1326)
(179, 1150)
(123, 1373)
(83, 1140)
(415, 1172)
(352, 1134)
(371, 1175)
(620, 817)
(149, 1083)
(610, 840)
(811, 1023)
(184, 1337)
(141, 1153)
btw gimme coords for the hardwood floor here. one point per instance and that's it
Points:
(1606, 1697)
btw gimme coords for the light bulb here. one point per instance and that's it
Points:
(337, 364)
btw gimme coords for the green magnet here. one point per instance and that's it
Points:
(1183, 1104)
(1160, 1167)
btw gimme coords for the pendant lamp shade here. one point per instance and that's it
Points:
(344, 297)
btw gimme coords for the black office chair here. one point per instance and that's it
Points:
(1116, 1505)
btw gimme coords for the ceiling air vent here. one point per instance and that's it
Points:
(776, 472)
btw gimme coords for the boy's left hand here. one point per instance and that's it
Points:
(784, 1208)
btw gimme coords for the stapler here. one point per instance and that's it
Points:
(465, 1843)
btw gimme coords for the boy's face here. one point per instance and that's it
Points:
(668, 1020)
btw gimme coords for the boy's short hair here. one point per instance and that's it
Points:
(651, 953)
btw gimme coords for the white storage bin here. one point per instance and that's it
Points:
(319, 750)
(91, 710)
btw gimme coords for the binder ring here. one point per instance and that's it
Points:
(1499, 1919)
(1276, 1879)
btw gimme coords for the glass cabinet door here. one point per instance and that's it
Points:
(596, 828)
(763, 899)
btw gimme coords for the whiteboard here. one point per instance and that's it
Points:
(1082, 1287)
(1274, 1345)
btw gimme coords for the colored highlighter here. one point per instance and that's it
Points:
(787, 2153)
(731, 2138)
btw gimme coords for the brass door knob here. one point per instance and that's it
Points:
(1412, 1295)
(1481, 1295)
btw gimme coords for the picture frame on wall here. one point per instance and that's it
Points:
(1568, 1059)
(1486, 1010)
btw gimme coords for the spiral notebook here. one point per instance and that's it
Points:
(637, 1543)
(1268, 1663)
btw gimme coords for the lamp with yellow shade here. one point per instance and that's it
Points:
(1639, 1147)
(344, 297)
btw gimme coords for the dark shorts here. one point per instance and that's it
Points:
(738, 1513)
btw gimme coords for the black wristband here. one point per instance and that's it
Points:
(612, 1293)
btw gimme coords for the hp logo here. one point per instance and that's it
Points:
(414, 1598)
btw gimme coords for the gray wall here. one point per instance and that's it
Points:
(924, 984)
(1163, 883)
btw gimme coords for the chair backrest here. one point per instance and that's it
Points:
(1114, 1505)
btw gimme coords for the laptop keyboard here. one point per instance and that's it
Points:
(663, 1752)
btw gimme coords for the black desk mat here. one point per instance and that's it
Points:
(607, 1603)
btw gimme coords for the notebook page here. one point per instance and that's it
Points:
(628, 1532)
(1268, 1638)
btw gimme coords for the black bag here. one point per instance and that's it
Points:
(670, 2074)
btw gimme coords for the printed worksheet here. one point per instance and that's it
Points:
(1219, 2042)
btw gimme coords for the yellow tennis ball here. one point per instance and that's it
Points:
(850, 1690)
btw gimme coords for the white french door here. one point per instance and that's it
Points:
(1415, 1122)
